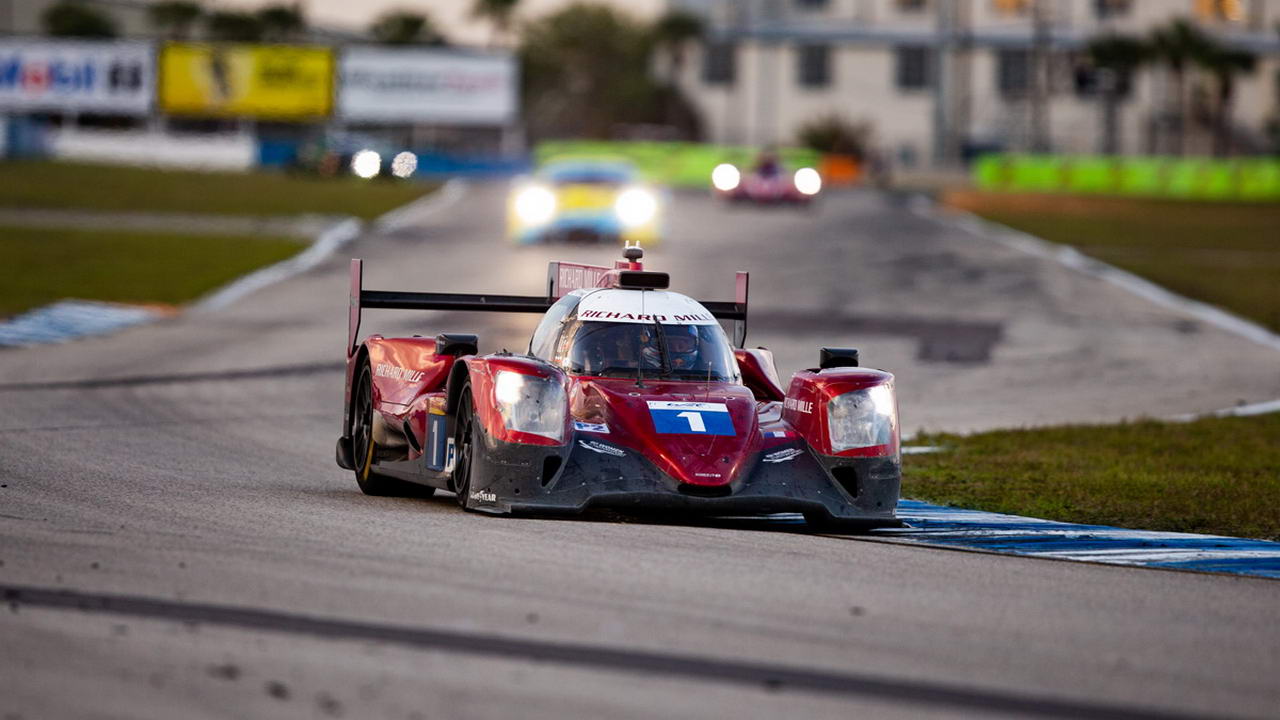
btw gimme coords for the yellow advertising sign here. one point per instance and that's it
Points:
(266, 81)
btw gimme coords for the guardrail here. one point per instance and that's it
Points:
(1242, 179)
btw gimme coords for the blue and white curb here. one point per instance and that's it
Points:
(1033, 537)
(69, 319)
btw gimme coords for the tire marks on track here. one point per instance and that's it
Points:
(685, 667)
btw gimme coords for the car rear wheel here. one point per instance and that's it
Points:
(364, 449)
(464, 442)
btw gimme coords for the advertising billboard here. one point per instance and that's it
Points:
(280, 82)
(407, 85)
(76, 76)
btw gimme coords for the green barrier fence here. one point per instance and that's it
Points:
(1252, 179)
(671, 163)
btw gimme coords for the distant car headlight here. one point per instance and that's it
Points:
(808, 181)
(862, 418)
(725, 177)
(530, 404)
(404, 164)
(535, 205)
(635, 206)
(366, 164)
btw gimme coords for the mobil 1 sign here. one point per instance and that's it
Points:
(115, 78)
(407, 85)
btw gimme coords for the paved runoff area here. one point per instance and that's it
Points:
(176, 541)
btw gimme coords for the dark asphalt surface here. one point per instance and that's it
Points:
(175, 540)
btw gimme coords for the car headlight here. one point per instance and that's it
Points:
(535, 205)
(635, 206)
(862, 418)
(530, 404)
(808, 181)
(725, 177)
(366, 164)
(404, 164)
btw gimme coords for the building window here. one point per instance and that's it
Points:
(914, 67)
(811, 4)
(912, 6)
(1011, 7)
(815, 65)
(719, 65)
(1013, 72)
(1105, 9)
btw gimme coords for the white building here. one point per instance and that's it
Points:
(769, 66)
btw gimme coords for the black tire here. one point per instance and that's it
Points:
(464, 433)
(363, 447)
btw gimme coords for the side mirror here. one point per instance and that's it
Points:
(456, 344)
(837, 357)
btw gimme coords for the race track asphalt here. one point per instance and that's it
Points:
(176, 541)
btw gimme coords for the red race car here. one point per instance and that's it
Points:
(629, 397)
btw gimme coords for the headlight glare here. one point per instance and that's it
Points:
(530, 404)
(862, 418)
(808, 181)
(535, 205)
(635, 206)
(366, 164)
(725, 177)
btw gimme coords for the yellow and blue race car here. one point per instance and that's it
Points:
(584, 200)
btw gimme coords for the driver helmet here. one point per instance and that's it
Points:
(682, 344)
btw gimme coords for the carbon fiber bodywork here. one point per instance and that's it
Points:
(590, 472)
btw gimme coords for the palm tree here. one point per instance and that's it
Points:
(1116, 57)
(282, 23)
(70, 18)
(405, 28)
(498, 13)
(1225, 64)
(173, 19)
(1178, 44)
(672, 33)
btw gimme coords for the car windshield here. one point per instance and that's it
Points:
(588, 175)
(681, 352)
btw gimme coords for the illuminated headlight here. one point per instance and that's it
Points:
(535, 205)
(808, 181)
(862, 418)
(366, 164)
(530, 404)
(404, 164)
(635, 206)
(725, 177)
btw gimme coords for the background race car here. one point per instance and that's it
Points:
(629, 397)
(585, 200)
(767, 183)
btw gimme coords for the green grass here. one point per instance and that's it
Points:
(1216, 475)
(1222, 253)
(39, 184)
(42, 266)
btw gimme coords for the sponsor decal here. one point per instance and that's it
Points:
(782, 456)
(707, 475)
(421, 85)
(644, 317)
(484, 496)
(450, 455)
(778, 434)
(397, 373)
(599, 447)
(271, 81)
(591, 427)
(74, 75)
(800, 406)
(691, 418)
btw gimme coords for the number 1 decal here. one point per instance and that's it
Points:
(695, 421)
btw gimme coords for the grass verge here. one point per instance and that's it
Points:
(1226, 254)
(55, 185)
(1215, 475)
(41, 266)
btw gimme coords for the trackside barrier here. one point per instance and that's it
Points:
(1243, 179)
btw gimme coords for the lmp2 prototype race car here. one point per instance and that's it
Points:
(629, 397)
(584, 200)
(767, 183)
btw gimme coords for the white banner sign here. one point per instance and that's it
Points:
(437, 86)
(76, 76)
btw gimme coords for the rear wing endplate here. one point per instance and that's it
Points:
(361, 299)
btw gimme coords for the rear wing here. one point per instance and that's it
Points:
(562, 278)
